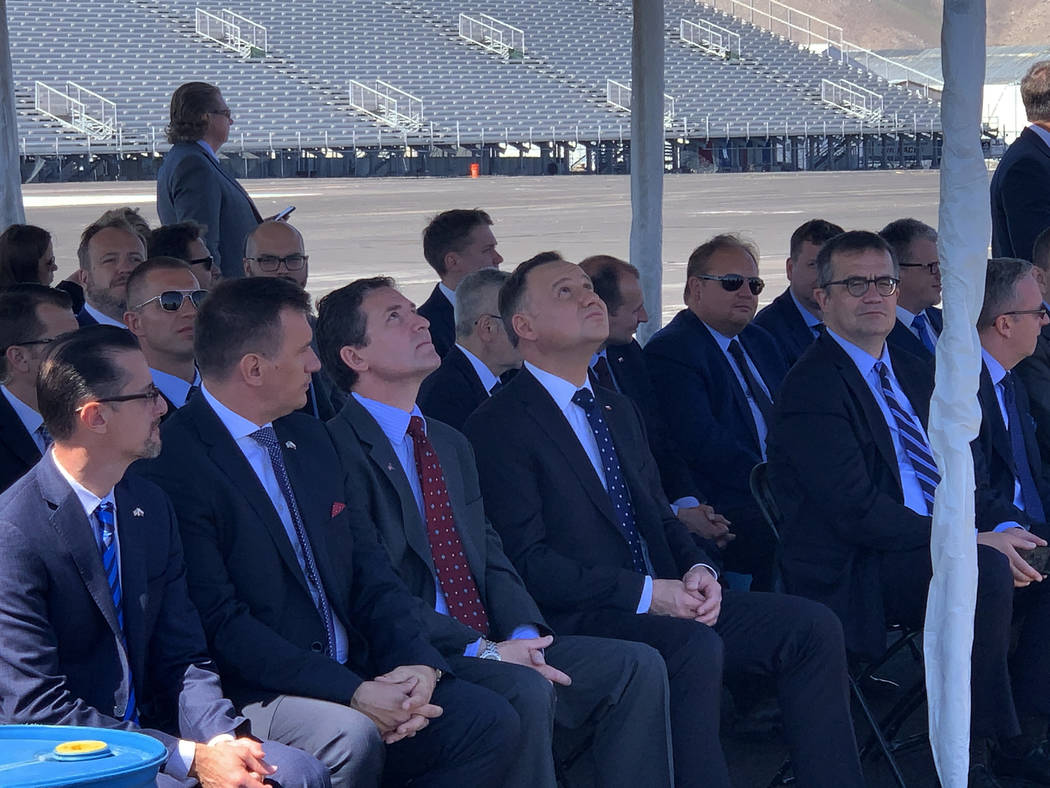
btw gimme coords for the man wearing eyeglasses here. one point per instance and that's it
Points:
(184, 241)
(192, 185)
(715, 376)
(163, 296)
(919, 321)
(31, 316)
(852, 469)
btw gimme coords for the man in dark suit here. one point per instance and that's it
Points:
(455, 243)
(1034, 371)
(853, 472)
(109, 251)
(184, 241)
(473, 369)
(715, 375)
(571, 486)
(192, 185)
(793, 317)
(316, 639)
(620, 365)
(98, 627)
(919, 321)
(163, 296)
(615, 703)
(31, 317)
(1020, 203)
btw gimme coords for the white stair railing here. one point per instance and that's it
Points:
(851, 98)
(78, 108)
(717, 40)
(493, 34)
(387, 104)
(618, 95)
(232, 31)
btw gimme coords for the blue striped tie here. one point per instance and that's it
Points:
(921, 324)
(107, 527)
(912, 441)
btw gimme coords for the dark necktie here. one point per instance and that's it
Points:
(191, 393)
(913, 442)
(754, 388)
(604, 374)
(921, 326)
(267, 438)
(615, 484)
(107, 523)
(446, 547)
(45, 436)
(817, 329)
(1033, 505)
(495, 387)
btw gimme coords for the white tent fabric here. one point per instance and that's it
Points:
(955, 416)
(11, 210)
(647, 155)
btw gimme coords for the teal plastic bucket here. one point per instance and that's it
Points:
(39, 756)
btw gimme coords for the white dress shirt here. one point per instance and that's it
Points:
(30, 419)
(760, 423)
(394, 424)
(105, 320)
(488, 380)
(258, 458)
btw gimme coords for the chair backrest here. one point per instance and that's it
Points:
(763, 495)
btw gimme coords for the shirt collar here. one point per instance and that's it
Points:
(811, 320)
(863, 360)
(996, 370)
(1043, 133)
(88, 500)
(238, 426)
(488, 380)
(29, 417)
(172, 386)
(907, 317)
(560, 389)
(722, 340)
(208, 150)
(105, 320)
(448, 292)
(600, 354)
(393, 421)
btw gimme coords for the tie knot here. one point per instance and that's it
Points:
(266, 437)
(584, 399)
(415, 428)
(1008, 383)
(45, 436)
(919, 321)
(104, 513)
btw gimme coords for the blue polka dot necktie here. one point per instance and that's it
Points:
(107, 522)
(446, 548)
(615, 484)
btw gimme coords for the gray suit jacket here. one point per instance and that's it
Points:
(192, 185)
(371, 464)
(61, 662)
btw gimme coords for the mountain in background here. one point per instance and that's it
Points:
(916, 24)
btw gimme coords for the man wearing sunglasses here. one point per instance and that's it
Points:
(31, 317)
(715, 377)
(184, 241)
(163, 296)
(852, 469)
(919, 321)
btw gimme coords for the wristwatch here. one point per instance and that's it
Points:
(489, 650)
(438, 673)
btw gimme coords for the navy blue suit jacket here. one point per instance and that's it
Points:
(18, 451)
(782, 319)
(1020, 198)
(452, 391)
(439, 311)
(192, 186)
(263, 627)
(705, 405)
(904, 338)
(1034, 371)
(60, 658)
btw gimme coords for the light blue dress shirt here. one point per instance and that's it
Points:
(812, 321)
(488, 380)
(760, 423)
(258, 458)
(30, 419)
(173, 387)
(394, 422)
(208, 150)
(907, 317)
(105, 320)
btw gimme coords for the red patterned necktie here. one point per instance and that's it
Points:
(446, 548)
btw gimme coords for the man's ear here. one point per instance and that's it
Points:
(93, 417)
(17, 358)
(251, 369)
(523, 326)
(350, 356)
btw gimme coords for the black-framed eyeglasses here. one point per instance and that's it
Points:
(172, 300)
(1041, 312)
(857, 286)
(271, 262)
(933, 267)
(207, 262)
(45, 341)
(152, 394)
(497, 318)
(733, 282)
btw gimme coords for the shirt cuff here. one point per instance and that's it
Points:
(178, 765)
(1007, 526)
(473, 649)
(688, 502)
(646, 601)
(524, 632)
(708, 567)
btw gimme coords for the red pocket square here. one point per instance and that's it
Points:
(337, 507)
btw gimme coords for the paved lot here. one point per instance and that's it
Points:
(364, 227)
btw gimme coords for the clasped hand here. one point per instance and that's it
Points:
(697, 596)
(398, 702)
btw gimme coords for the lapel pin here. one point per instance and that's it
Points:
(137, 512)
(608, 407)
(390, 466)
(289, 445)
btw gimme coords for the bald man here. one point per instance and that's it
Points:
(276, 249)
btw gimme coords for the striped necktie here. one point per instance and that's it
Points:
(921, 326)
(912, 439)
(107, 529)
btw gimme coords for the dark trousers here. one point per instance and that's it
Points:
(614, 712)
(754, 549)
(996, 698)
(796, 642)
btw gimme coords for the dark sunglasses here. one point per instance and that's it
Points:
(733, 282)
(152, 394)
(172, 300)
(207, 262)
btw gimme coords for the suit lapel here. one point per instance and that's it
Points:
(996, 425)
(130, 526)
(15, 435)
(230, 179)
(461, 363)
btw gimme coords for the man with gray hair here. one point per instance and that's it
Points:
(919, 322)
(1034, 371)
(471, 371)
(1020, 199)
